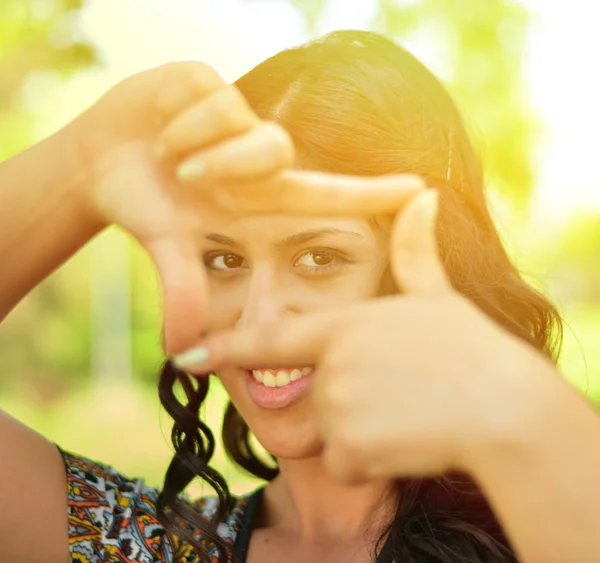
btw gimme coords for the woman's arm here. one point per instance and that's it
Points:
(544, 484)
(105, 168)
(33, 496)
(43, 216)
(100, 169)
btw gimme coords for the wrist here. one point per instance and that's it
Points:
(524, 418)
(79, 173)
(542, 483)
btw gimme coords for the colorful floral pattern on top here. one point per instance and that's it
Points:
(112, 519)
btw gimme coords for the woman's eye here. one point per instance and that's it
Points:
(317, 261)
(224, 261)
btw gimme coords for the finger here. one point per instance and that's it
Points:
(223, 113)
(343, 466)
(180, 84)
(340, 461)
(414, 257)
(185, 292)
(320, 193)
(287, 344)
(262, 151)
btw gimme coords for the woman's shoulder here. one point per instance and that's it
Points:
(112, 517)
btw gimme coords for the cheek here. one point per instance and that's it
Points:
(358, 283)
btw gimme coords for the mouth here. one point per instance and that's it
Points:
(277, 388)
(279, 377)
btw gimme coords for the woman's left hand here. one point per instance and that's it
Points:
(417, 383)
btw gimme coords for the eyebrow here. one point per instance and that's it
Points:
(292, 240)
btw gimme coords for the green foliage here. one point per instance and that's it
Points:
(35, 36)
(580, 357)
(575, 258)
(311, 9)
(47, 341)
(45, 345)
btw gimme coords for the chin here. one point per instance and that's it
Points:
(289, 445)
(284, 435)
(288, 433)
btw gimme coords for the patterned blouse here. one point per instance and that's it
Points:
(112, 519)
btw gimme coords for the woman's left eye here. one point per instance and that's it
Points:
(318, 260)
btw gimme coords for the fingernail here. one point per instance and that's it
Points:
(191, 170)
(192, 358)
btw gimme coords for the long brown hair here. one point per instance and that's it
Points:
(355, 102)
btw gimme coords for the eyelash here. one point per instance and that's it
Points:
(211, 256)
(337, 260)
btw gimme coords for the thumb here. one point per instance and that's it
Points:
(415, 262)
(185, 290)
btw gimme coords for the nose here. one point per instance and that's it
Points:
(266, 300)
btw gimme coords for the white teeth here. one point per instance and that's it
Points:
(281, 378)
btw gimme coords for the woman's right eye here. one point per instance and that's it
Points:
(224, 261)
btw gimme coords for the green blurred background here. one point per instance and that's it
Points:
(80, 354)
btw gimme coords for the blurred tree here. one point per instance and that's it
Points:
(312, 10)
(476, 47)
(479, 52)
(41, 36)
(574, 259)
(35, 36)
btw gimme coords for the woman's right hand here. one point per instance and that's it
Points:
(51, 203)
(181, 116)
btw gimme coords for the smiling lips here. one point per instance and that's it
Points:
(279, 377)
(277, 388)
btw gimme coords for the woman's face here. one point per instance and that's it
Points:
(265, 268)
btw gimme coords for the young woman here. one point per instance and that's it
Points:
(362, 403)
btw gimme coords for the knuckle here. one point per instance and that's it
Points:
(340, 357)
(280, 141)
(345, 440)
(346, 448)
(182, 83)
(335, 361)
(170, 70)
(230, 110)
(206, 71)
(202, 77)
(336, 395)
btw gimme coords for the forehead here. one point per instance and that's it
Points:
(275, 228)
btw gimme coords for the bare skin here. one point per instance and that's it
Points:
(268, 267)
(477, 399)
(133, 160)
(92, 174)
(116, 164)
(310, 516)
